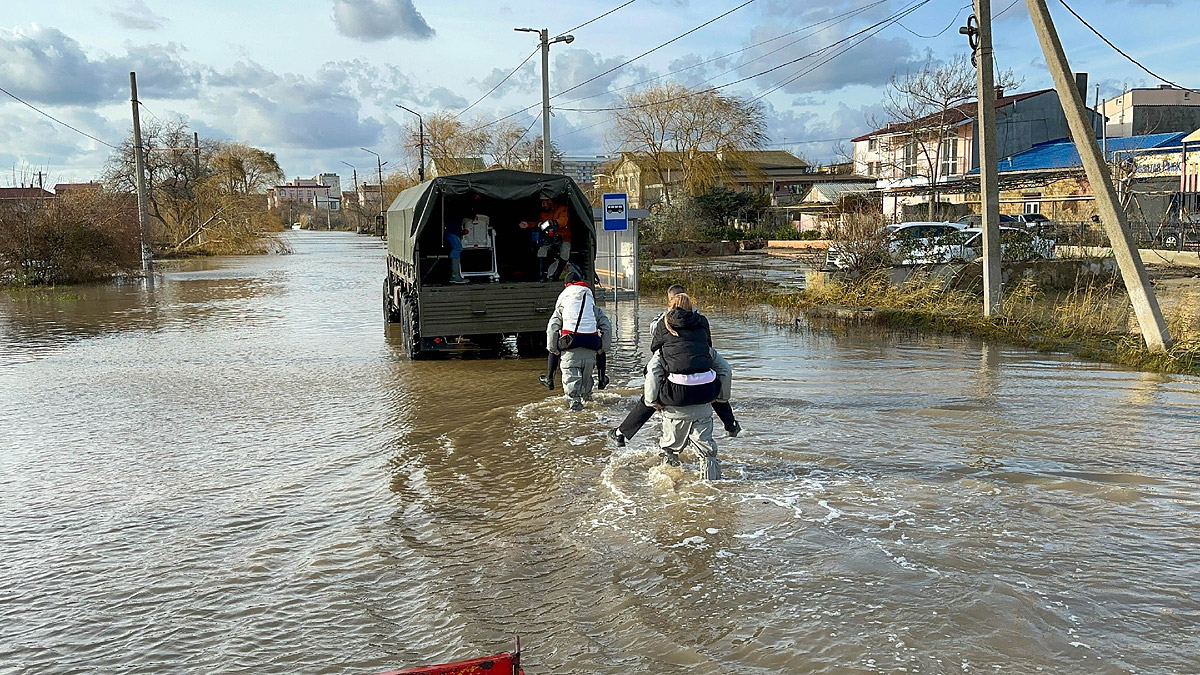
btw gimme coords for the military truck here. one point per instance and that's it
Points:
(504, 296)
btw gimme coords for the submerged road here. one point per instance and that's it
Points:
(235, 471)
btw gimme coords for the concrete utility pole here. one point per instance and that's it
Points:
(989, 181)
(139, 166)
(544, 36)
(382, 220)
(1133, 272)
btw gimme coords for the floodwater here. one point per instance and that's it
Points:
(235, 472)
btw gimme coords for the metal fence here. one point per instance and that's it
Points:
(1164, 236)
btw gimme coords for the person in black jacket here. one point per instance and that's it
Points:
(688, 339)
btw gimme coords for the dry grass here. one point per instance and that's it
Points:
(1093, 321)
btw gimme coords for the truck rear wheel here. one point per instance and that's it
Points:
(410, 337)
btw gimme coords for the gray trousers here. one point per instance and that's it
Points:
(577, 366)
(684, 432)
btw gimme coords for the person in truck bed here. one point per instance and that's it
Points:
(552, 232)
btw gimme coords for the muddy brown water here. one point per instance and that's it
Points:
(234, 471)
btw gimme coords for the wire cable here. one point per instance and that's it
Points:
(42, 112)
(592, 79)
(880, 25)
(654, 49)
(572, 30)
(833, 20)
(1010, 6)
(1118, 50)
(940, 32)
(493, 89)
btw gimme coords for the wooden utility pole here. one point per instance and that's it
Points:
(989, 182)
(139, 165)
(1133, 272)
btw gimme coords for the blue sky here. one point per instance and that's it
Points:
(314, 80)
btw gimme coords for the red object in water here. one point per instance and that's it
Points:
(499, 664)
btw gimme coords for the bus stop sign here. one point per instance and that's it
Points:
(616, 208)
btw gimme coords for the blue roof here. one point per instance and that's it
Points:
(1061, 154)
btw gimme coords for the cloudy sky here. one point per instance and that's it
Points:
(315, 80)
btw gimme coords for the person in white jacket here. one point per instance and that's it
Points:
(577, 319)
(688, 426)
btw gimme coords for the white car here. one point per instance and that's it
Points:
(911, 243)
(1016, 244)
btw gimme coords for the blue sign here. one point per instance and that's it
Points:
(616, 211)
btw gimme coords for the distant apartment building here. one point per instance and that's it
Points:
(320, 192)
(583, 168)
(1160, 110)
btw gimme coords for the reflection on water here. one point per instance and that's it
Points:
(235, 470)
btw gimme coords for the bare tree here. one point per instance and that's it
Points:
(448, 141)
(703, 132)
(924, 110)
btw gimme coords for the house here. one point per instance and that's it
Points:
(1149, 171)
(824, 204)
(76, 188)
(912, 161)
(1162, 109)
(650, 179)
(320, 192)
(24, 193)
(448, 166)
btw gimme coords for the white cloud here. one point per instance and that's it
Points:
(135, 15)
(373, 20)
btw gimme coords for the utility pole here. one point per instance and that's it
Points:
(358, 208)
(196, 147)
(139, 166)
(989, 181)
(544, 38)
(420, 142)
(1133, 272)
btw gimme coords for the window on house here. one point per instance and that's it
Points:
(872, 144)
(910, 157)
(1033, 207)
(949, 156)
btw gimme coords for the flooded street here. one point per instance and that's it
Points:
(235, 471)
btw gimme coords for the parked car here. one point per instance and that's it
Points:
(976, 220)
(1016, 244)
(1031, 219)
(911, 243)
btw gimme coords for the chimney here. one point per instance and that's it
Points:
(1081, 85)
(999, 92)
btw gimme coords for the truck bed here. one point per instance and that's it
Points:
(476, 308)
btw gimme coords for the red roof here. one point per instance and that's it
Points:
(956, 115)
(24, 193)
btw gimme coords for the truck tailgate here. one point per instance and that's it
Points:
(487, 308)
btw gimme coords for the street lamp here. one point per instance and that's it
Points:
(420, 141)
(357, 211)
(380, 165)
(544, 36)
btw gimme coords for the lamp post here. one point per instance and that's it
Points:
(380, 164)
(357, 211)
(544, 36)
(420, 141)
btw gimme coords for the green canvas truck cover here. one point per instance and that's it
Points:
(410, 212)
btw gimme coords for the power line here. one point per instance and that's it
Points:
(572, 30)
(521, 137)
(878, 28)
(1118, 49)
(880, 25)
(40, 111)
(514, 72)
(833, 20)
(1010, 6)
(940, 32)
(592, 79)
(654, 49)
